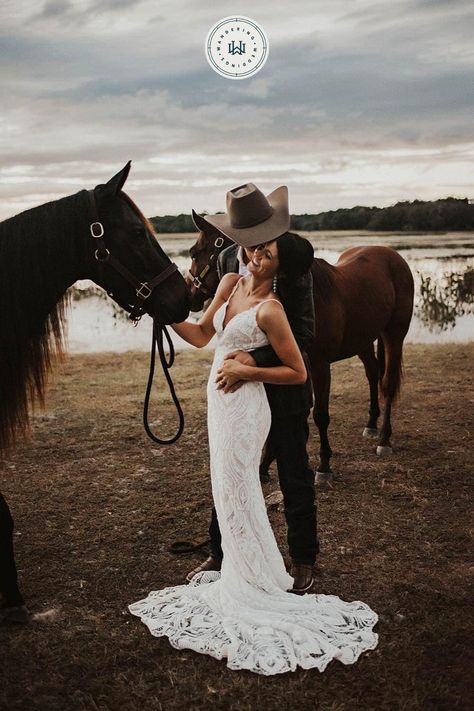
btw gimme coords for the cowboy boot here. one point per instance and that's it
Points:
(303, 575)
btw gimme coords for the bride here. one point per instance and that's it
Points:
(245, 613)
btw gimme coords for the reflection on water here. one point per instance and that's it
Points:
(442, 265)
(442, 299)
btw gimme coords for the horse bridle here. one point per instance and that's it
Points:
(143, 290)
(198, 280)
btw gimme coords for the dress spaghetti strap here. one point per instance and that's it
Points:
(234, 289)
(266, 301)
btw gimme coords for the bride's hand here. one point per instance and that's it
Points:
(229, 376)
(232, 369)
(225, 380)
(228, 385)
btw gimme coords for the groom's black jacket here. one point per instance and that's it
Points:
(284, 400)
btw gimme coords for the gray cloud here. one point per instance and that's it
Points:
(55, 8)
(368, 105)
(65, 11)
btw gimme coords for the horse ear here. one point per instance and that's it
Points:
(115, 184)
(202, 224)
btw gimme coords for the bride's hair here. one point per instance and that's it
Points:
(295, 256)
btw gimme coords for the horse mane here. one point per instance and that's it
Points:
(148, 224)
(36, 254)
(323, 279)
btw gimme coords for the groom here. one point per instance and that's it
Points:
(289, 405)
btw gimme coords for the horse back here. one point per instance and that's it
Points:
(370, 289)
(375, 273)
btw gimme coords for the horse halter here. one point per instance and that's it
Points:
(143, 290)
(198, 280)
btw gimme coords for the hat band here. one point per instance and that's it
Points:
(243, 225)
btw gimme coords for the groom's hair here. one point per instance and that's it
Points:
(295, 255)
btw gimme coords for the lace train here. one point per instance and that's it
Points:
(308, 632)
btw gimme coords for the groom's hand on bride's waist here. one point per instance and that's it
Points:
(227, 381)
(241, 356)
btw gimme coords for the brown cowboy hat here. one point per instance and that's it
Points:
(251, 218)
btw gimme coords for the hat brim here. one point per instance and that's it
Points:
(270, 229)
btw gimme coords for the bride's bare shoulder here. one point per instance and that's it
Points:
(226, 284)
(270, 312)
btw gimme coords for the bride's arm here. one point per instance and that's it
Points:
(272, 320)
(199, 334)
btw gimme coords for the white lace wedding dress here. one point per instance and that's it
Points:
(245, 614)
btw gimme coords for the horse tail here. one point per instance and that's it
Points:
(390, 358)
(380, 360)
(393, 334)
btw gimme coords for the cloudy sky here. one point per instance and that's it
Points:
(363, 102)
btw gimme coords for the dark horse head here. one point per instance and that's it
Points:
(98, 234)
(127, 261)
(202, 277)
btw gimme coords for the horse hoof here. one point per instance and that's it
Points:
(384, 451)
(14, 615)
(370, 432)
(323, 478)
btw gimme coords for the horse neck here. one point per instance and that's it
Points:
(42, 253)
(324, 287)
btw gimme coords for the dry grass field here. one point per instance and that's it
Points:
(97, 506)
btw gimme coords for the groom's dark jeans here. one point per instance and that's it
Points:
(287, 439)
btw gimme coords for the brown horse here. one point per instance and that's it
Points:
(100, 235)
(202, 277)
(366, 297)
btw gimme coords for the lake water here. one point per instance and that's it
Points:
(442, 265)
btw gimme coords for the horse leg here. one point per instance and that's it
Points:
(390, 383)
(371, 366)
(11, 607)
(321, 377)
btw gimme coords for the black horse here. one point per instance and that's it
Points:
(95, 234)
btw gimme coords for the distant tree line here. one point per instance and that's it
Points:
(419, 215)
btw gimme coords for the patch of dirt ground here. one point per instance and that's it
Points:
(97, 506)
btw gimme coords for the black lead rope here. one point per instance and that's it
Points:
(183, 547)
(157, 338)
(178, 547)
